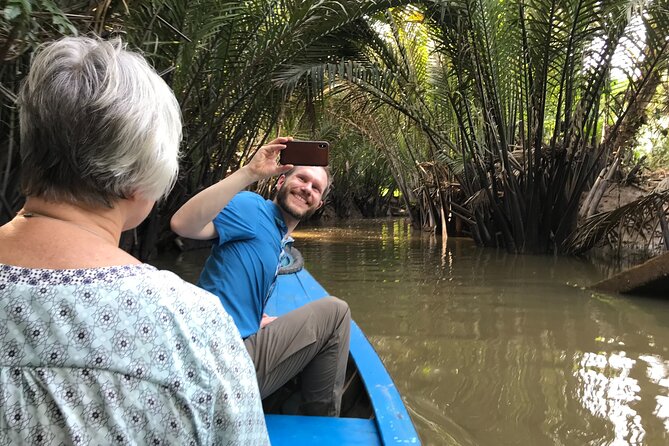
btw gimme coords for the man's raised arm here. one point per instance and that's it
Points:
(195, 218)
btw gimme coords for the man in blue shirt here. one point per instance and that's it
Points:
(312, 340)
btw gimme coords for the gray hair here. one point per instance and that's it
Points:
(97, 124)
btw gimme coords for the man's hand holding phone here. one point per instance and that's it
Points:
(263, 164)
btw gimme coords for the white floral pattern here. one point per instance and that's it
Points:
(121, 355)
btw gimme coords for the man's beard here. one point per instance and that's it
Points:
(282, 201)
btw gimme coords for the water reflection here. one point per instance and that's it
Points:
(658, 373)
(490, 348)
(607, 391)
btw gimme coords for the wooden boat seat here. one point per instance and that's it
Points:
(290, 430)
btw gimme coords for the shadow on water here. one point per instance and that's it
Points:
(489, 348)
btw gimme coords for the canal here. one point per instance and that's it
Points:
(489, 348)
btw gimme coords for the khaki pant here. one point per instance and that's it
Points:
(313, 340)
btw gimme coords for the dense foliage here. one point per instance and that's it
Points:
(524, 101)
(499, 114)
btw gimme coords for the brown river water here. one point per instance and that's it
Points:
(489, 348)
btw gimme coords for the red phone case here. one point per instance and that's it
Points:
(305, 153)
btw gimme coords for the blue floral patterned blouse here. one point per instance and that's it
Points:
(121, 355)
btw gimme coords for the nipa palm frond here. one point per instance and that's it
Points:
(638, 217)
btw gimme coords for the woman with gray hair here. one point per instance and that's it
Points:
(96, 347)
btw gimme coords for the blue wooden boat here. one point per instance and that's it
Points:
(373, 412)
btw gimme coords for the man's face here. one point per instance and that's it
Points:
(300, 194)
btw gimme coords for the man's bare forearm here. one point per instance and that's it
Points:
(194, 218)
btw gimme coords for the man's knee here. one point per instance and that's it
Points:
(337, 307)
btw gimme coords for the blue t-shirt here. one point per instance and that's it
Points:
(242, 266)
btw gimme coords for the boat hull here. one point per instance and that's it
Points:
(387, 423)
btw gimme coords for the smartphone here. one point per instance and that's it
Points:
(305, 153)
